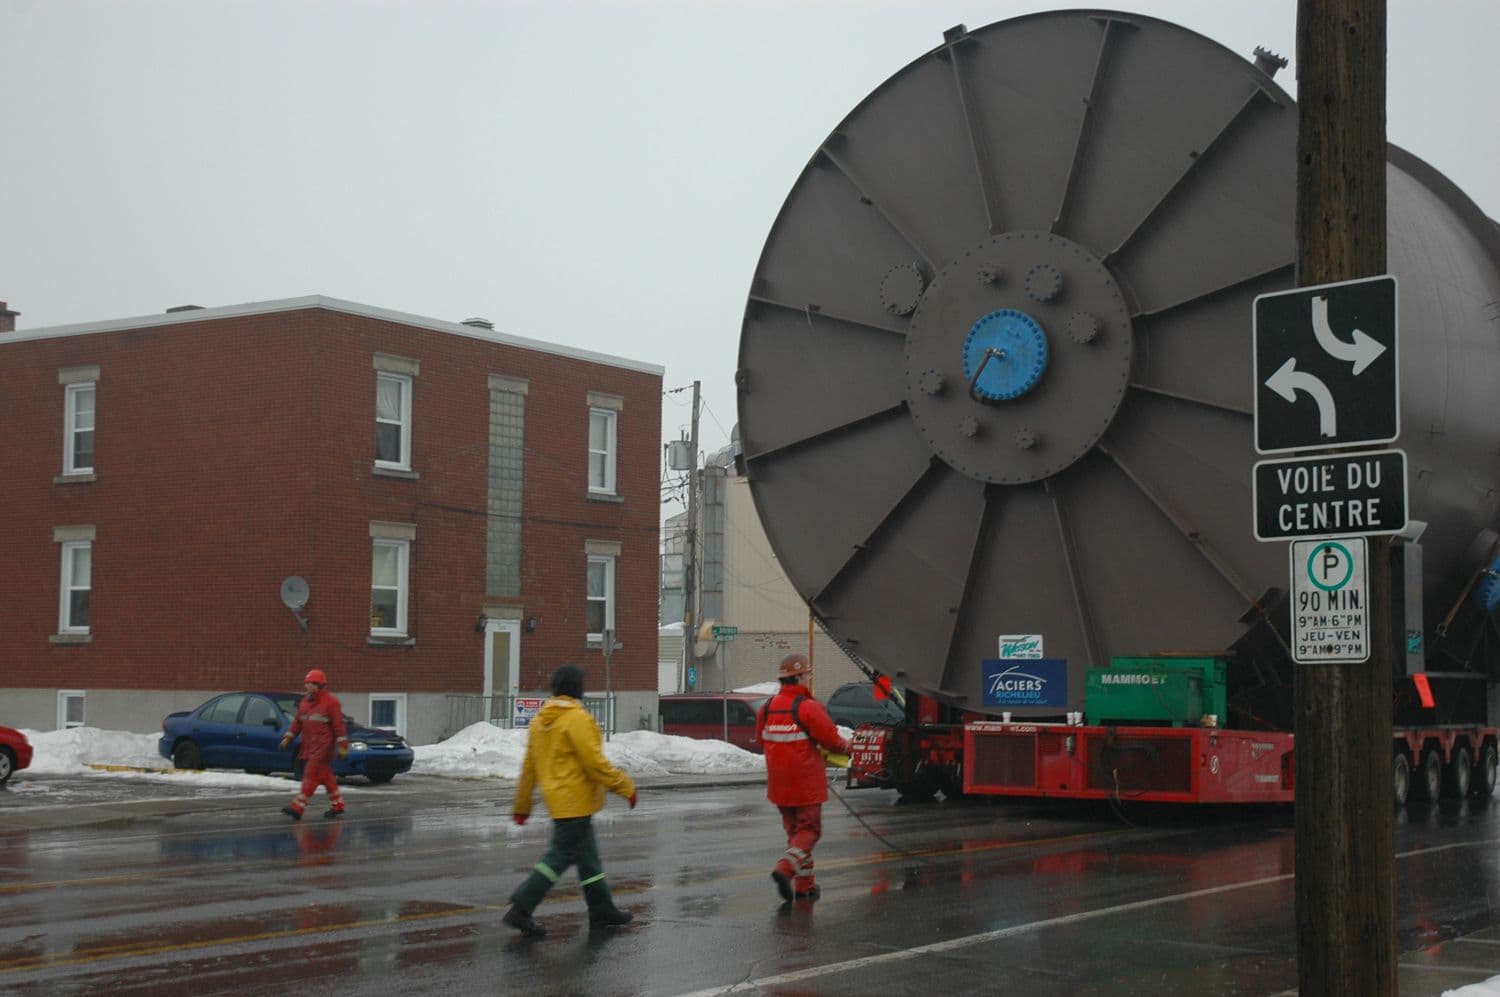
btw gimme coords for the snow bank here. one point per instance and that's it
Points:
(479, 751)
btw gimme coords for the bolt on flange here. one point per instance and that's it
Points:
(1043, 282)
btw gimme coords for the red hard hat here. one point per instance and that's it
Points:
(793, 665)
(316, 675)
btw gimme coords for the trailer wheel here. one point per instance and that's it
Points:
(920, 789)
(1401, 778)
(1460, 768)
(1483, 783)
(1429, 777)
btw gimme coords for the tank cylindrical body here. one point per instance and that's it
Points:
(995, 375)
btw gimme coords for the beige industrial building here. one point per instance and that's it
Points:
(740, 585)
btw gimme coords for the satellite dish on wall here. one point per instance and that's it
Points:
(294, 592)
(705, 645)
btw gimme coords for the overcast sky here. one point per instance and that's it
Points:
(601, 175)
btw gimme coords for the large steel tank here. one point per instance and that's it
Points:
(1100, 196)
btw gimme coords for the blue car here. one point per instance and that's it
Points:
(242, 730)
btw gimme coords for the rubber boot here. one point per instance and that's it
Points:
(522, 921)
(782, 874)
(602, 909)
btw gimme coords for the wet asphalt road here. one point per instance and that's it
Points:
(164, 891)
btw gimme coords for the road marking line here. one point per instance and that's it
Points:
(1448, 968)
(128, 951)
(952, 944)
(966, 941)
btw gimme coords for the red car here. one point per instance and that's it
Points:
(706, 715)
(15, 752)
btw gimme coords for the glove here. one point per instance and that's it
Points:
(343, 751)
(519, 818)
(632, 801)
(286, 741)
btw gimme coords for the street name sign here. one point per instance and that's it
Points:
(1326, 371)
(722, 634)
(1330, 601)
(1332, 495)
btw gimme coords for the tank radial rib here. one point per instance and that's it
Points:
(1086, 625)
(973, 125)
(1193, 537)
(1197, 158)
(880, 533)
(1286, 270)
(1188, 351)
(811, 310)
(900, 226)
(826, 435)
(954, 665)
(1193, 400)
(1086, 122)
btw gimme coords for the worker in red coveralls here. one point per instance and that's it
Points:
(791, 728)
(320, 721)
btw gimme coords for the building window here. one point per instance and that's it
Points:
(78, 431)
(393, 421)
(388, 588)
(388, 711)
(601, 596)
(69, 708)
(73, 609)
(602, 427)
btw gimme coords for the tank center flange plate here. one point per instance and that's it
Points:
(1063, 405)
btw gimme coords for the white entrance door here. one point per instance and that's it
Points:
(502, 667)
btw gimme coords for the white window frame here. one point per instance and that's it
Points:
(403, 584)
(71, 428)
(609, 450)
(66, 587)
(608, 561)
(63, 696)
(402, 420)
(399, 698)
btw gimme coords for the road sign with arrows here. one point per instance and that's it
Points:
(1326, 372)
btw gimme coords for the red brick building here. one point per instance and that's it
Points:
(218, 499)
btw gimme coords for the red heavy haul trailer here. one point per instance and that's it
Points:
(996, 406)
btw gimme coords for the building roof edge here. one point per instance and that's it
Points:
(315, 301)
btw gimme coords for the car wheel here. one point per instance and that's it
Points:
(299, 769)
(7, 765)
(185, 755)
(382, 778)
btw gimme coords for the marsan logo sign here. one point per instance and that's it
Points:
(1020, 645)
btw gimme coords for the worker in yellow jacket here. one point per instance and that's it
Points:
(564, 758)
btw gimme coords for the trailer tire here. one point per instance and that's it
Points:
(1400, 778)
(922, 788)
(1429, 777)
(1483, 783)
(1460, 768)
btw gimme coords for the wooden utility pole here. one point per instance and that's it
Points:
(1346, 906)
(690, 619)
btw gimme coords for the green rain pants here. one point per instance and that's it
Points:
(572, 843)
